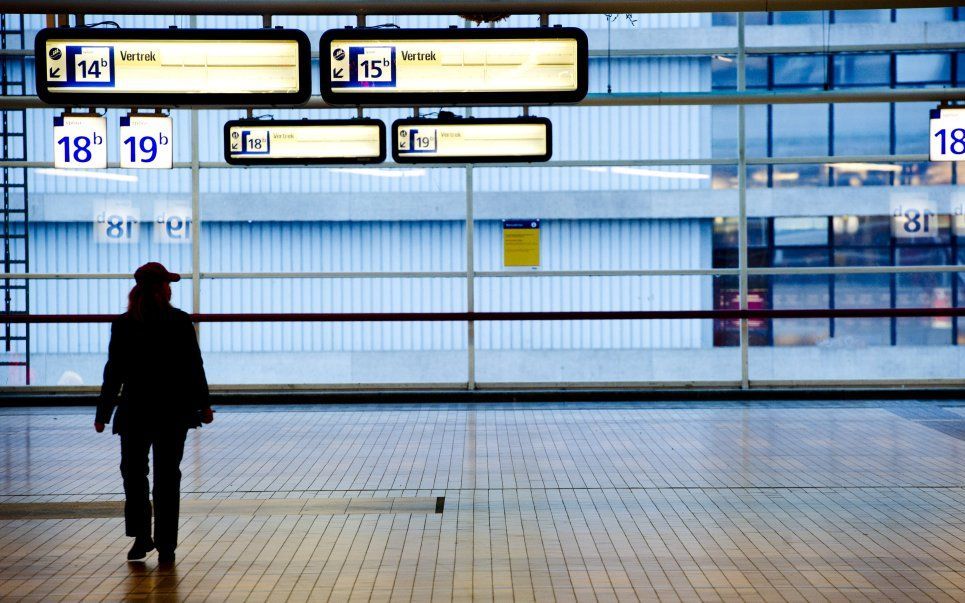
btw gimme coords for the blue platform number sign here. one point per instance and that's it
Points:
(80, 66)
(250, 142)
(363, 66)
(947, 134)
(417, 140)
(80, 142)
(146, 142)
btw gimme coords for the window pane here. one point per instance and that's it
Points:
(800, 70)
(862, 16)
(911, 127)
(800, 231)
(860, 230)
(924, 14)
(726, 235)
(861, 69)
(924, 290)
(800, 130)
(800, 17)
(863, 291)
(755, 71)
(926, 68)
(800, 291)
(861, 128)
(724, 131)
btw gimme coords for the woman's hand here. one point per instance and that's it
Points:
(207, 415)
(98, 427)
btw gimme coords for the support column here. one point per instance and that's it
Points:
(742, 204)
(470, 275)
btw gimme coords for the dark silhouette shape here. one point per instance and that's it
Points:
(155, 379)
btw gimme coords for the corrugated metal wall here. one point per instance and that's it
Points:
(387, 246)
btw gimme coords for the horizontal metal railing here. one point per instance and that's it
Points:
(623, 99)
(476, 316)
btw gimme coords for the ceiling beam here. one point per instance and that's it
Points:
(439, 7)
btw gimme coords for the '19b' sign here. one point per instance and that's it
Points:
(150, 67)
(453, 66)
(146, 142)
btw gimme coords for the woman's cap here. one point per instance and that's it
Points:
(154, 272)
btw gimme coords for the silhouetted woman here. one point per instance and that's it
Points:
(155, 379)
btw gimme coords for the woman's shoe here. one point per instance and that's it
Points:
(142, 545)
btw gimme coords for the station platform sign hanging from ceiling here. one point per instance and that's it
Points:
(167, 67)
(445, 67)
(304, 141)
(457, 140)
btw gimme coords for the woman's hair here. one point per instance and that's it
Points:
(148, 301)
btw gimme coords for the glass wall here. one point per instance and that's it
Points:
(639, 209)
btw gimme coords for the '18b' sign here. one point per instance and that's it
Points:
(947, 129)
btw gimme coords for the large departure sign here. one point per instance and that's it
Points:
(493, 140)
(453, 66)
(149, 67)
(304, 141)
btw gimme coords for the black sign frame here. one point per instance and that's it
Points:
(448, 99)
(472, 121)
(359, 121)
(52, 96)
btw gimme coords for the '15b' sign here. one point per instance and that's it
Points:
(454, 66)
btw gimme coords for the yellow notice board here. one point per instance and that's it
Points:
(521, 243)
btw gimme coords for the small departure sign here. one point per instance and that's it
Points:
(493, 140)
(304, 141)
(454, 66)
(947, 134)
(150, 67)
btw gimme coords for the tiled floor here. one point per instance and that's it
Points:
(544, 502)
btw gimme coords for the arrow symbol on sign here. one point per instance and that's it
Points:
(337, 74)
(55, 72)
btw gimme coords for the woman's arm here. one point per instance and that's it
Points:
(197, 368)
(113, 377)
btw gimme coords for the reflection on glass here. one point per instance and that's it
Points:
(800, 70)
(800, 130)
(862, 16)
(923, 68)
(801, 231)
(862, 69)
(861, 128)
